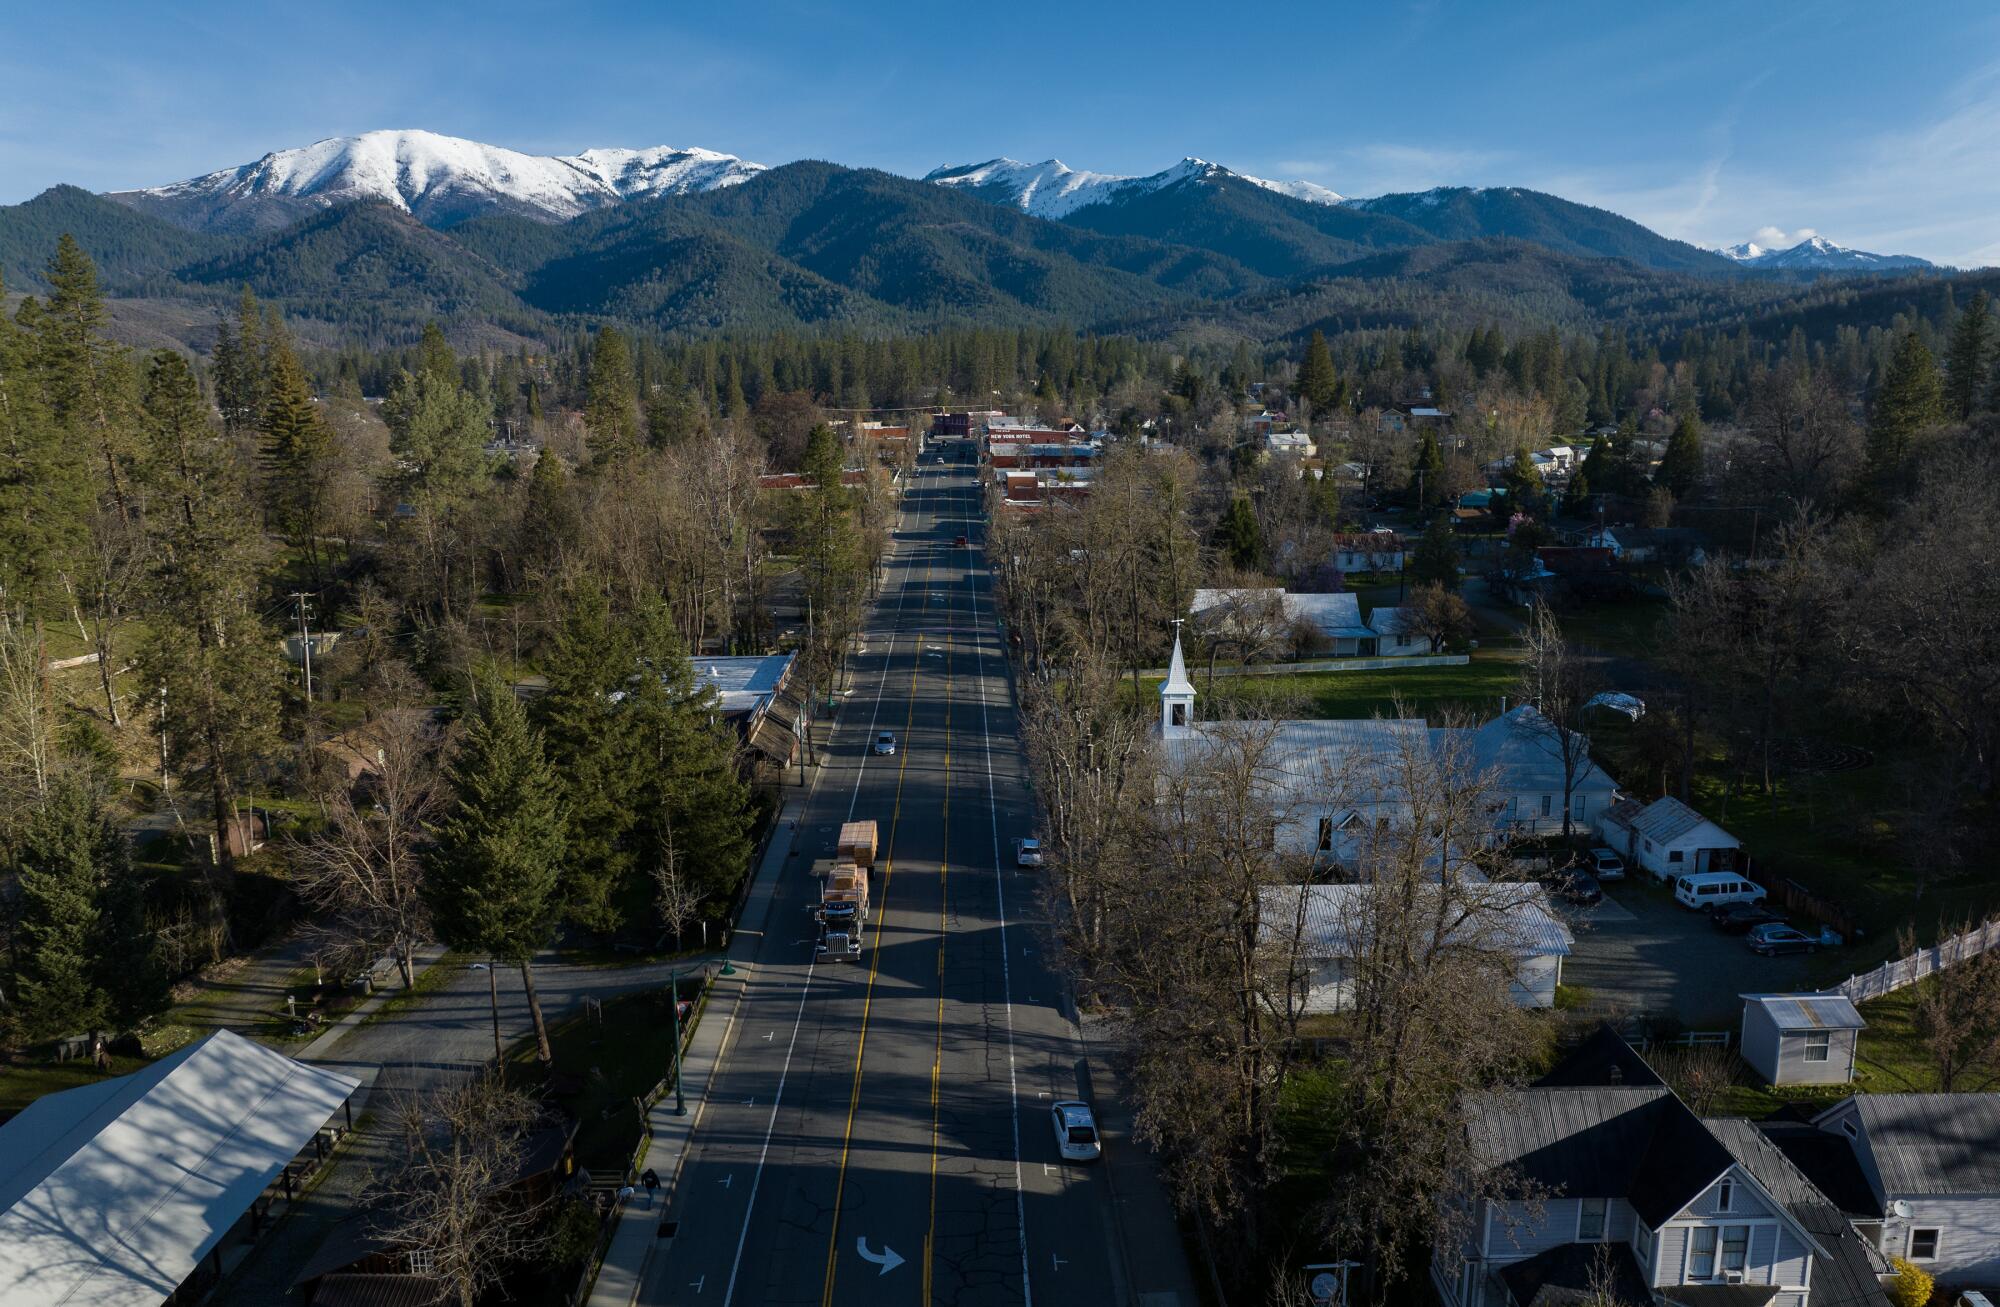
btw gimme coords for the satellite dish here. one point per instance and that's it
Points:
(1899, 1208)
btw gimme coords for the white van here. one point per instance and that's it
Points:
(1712, 889)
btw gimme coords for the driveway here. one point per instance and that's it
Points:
(1640, 953)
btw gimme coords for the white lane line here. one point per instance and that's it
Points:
(1006, 970)
(805, 990)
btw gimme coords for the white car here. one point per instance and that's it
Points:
(885, 743)
(1606, 865)
(1027, 853)
(1076, 1132)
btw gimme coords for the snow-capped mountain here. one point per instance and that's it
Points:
(1818, 254)
(442, 180)
(1053, 189)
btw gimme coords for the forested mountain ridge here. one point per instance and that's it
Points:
(814, 246)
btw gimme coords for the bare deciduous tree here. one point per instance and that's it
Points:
(1956, 1011)
(675, 895)
(1441, 616)
(367, 867)
(1557, 684)
(450, 1198)
(1698, 1073)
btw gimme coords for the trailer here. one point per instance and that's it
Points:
(857, 843)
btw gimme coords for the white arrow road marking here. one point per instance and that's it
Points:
(696, 1284)
(729, 1180)
(1057, 1260)
(887, 1259)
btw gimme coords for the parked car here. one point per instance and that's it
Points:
(1027, 853)
(1606, 865)
(959, 542)
(1076, 1132)
(1575, 885)
(885, 743)
(1707, 890)
(1741, 918)
(1772, 938)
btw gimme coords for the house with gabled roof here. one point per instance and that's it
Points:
(1928, 1167)
(1619, 1183)
(1668, 838)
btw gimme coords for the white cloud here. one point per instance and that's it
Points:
(1388, 167)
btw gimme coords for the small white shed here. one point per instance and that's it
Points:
(1668, 838)
(1800, 1039)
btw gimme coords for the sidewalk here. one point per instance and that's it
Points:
(1155, 1267)
(636, 1234)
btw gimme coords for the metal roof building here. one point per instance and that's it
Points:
(112, 1194)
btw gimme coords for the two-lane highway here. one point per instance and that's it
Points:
(878, 1131)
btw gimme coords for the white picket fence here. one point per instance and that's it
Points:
(1892, 976)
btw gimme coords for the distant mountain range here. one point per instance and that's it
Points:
(1818, 254)
(443, 180)
(368, 235)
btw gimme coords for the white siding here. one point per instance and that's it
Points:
(1621, 1223)
(1968, 1236)
(1745, 1204)
(1516, 1234)
(1790, 1265)
(1793, 1069)
(1673, 1255)
(1759, 1042)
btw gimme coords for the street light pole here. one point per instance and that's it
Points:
(674, 1001)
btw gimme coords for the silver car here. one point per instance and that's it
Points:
(885, 743)
(1076, 1132)
(1027, 853)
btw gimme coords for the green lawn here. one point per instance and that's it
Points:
(1629, 629)
(1476, 686)
(618, 1058)
(1890, 1059)
(22, 1083)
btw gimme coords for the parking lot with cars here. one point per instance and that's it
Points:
(1639, 952)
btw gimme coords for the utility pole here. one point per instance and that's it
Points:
(305, 640)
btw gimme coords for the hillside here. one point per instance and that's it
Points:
(130, 249)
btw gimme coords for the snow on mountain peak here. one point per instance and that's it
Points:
(445, 178)
(1052, 189)
(1818, 254)
(1743, 253)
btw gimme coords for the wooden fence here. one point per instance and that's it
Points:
(1892, 976)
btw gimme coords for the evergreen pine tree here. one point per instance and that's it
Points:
(492, 881)
(1427, 470)
(1909, 402)
(1680, 464)
(82, 370)
(57, 985)
(438, 432)
(1576, 495)
(551, 519)
(242, 368)
(435, 358)
(298, 457)
(1434, 561)
(1318, 384)
(1966, 364)
(45, 496)
(1523, 482)
(585, 722)
(1240, 535)
(691, 800)
(610, 409)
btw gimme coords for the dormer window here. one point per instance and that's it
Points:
(1725, 1197)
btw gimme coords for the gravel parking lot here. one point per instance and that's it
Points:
(1639, 952)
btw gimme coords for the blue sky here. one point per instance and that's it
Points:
(1876, 125)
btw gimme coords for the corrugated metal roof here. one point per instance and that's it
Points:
(1809, 1011)
(113, 1193)
(1844, 1274)
(1933, 1143)
(1666, 820)
(1499, 915)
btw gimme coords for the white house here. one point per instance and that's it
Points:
(1668, 838)
(1929, 1183)
(1370, 551)
(1523, 754)
(1297, 443)
(1497, 916)
(1334, 619)
(1395, 633)
(1800, 1039)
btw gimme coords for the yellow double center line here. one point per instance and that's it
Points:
(878, 911)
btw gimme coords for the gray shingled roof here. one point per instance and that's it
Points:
(1641, 1144)
(1845, 1267)
(1933, 1143)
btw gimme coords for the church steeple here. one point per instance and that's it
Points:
(1176, 695)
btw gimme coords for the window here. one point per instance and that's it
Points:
(1701, 1254)
(1725, 1196)
(1850, 1128)
(1179, 717)
(1590, 1220)
(1642, 1245)
(423, 1261)
(1735, 1247)
(1819, 1045)
(1548, 801)
(1675, 856)
(1325, 834)
(1923, 1245)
